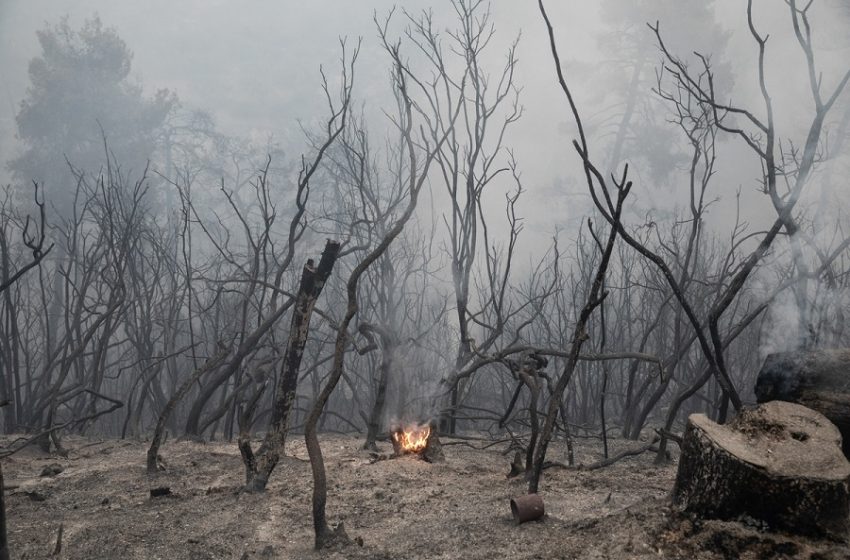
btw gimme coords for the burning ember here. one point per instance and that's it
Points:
(412, 439)
(419, 440)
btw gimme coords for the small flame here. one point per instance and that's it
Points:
(413, 439)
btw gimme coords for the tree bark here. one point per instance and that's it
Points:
(260, 466)
(780, 463)
(388, 350)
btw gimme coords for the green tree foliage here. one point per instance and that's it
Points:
(81, 91)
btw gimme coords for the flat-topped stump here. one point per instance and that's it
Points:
(779, 462)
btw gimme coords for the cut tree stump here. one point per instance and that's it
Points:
(818, 379)
(779, 462)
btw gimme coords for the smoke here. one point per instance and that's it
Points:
(782, 326)
(808, 313)
(413, 388)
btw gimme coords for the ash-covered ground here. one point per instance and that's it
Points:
(398, 509)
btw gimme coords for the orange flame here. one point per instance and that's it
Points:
(413, 439)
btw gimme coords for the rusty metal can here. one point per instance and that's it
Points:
(527, 508)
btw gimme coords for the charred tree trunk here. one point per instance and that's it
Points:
(535, 423)
(818, 379)
(209, 365)
(260, 466)
(388, 350)
(528, 370)
(434, 450)
(780, 463)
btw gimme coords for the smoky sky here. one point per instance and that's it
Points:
(255, 66)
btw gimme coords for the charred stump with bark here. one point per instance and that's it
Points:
(422, 441)
(780, 463)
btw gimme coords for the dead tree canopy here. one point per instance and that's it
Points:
(780, 463)
(818, 379)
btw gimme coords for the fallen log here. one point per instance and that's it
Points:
(780, 463)
(818, 379)
(620, 456)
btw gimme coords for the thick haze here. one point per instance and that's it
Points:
(732, 240)
(255, 67)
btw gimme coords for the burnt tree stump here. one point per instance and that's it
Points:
(422, 441)
(818, 379)
(780, 463)
(434, 450)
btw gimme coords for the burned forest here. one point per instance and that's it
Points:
(439, 279)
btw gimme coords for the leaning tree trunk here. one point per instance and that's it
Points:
(259, 467)
(780, 463)
(209, 365)
(818, 379)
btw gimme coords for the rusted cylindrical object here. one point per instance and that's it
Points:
(527, 508)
